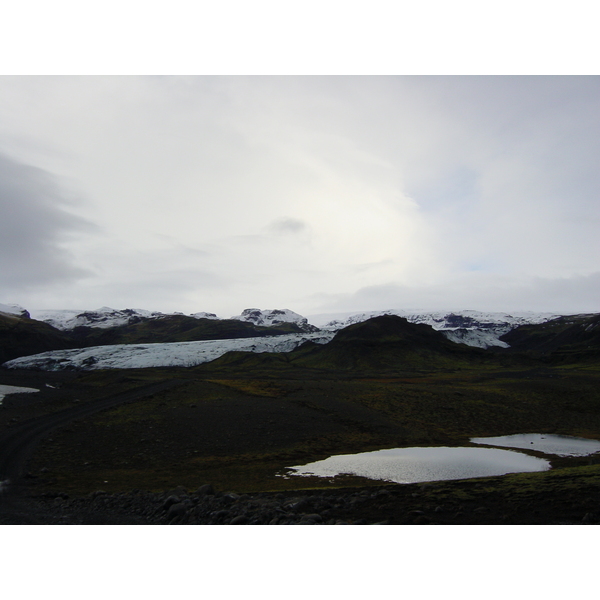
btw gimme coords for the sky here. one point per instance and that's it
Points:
(314, 193)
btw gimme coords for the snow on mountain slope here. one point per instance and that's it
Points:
(177, 354)
(104, 317)
(478, 338)
(474, 328)
(269, 318)
(13, 309)
(443, 319)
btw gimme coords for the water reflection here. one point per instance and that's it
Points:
(414, 465)
(560, 445)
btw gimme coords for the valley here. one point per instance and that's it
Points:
(238, 422)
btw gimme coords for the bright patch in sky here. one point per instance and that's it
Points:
(311, 193)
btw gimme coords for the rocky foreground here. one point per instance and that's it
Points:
(481, 501)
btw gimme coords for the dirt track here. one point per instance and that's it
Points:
(17, 444)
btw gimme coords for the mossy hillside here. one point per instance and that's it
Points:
(570, 339)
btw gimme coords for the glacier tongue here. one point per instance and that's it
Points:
(177, 354)
(478, 338)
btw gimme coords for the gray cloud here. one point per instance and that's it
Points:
(33, 224)
(478, 291)
(288, 225)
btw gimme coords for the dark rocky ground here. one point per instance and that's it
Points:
(492, 501)
(204, 445)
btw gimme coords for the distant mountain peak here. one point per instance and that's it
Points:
(273, 317)
(103, 317)
(14, 309)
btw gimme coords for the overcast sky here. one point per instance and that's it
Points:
(318, 194)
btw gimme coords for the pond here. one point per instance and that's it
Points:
(415, 465)
(560, 445)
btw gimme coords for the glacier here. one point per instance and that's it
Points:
(175, 354)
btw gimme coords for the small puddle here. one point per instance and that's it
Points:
(559, 445)
(415, 465)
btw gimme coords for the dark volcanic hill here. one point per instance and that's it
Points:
(387, 342)
(566, 339)
(22, 336)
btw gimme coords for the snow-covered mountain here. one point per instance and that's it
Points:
(270, 318)
(474, 328)
(107, 317)
(103, 318)
(13, 309)
(204, 315)
(176, 354)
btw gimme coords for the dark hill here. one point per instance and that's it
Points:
(387, 342)
(22, 336)
(379, 344)
(563, 340)
(392, 329)
(176, 328)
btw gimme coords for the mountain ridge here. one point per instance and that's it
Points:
(22, 335)
(107, 317)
